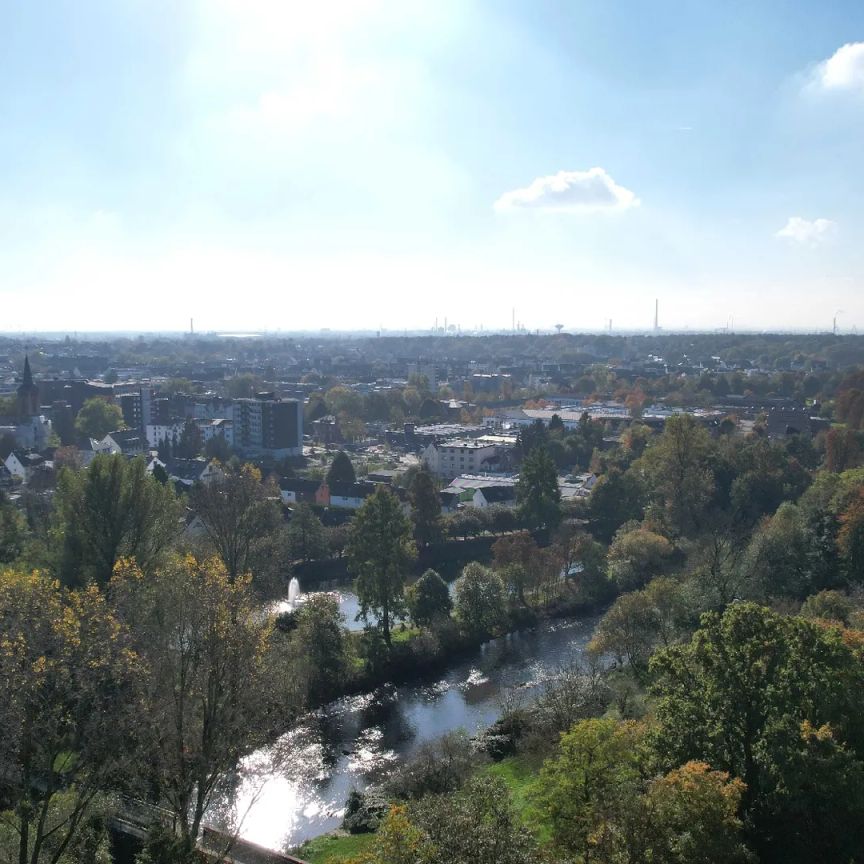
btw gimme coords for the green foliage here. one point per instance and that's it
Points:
(741, 696)
(477, 825)
(617, 497)
(307, 538)
(98, 417)
(380, 550)
(425, 508)
(537, 491)
(341, 470)
(636, 555)
(678, 473)
(829, 606)
(13, 531)
(191, 441)
(428, 599)
(480, 600)
(109, 511)
(591, 782)
(320, 648)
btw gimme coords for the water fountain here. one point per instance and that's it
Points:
(293, 590)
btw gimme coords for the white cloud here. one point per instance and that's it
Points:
(844, 70)
(570, 190)
(807, 232)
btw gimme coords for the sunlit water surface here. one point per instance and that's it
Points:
(296, 788)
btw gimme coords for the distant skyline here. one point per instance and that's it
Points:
(267, 164)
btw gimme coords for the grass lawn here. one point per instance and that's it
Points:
(333, 848)
(519, 773)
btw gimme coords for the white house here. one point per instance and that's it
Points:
(461, 456)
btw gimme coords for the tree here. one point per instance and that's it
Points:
(678, 472)
(537, 490)
(237, 511)
(477, 825)
(380, 550)
(217, 448)
(425, 508)
(13, 531)
(741, 696)
(191, 441)
(589, 784)
(341, 470)
(68, 710)
(636, 555)
(398, 841)
(208, 698)
(583, 563)
(829, 606)
(307, 538)
(628, 631)
(112, 510)
(693, 817)
(321, 648)
(850, 538)
(429, 599)
(480, 600)
(98, 417)
(776, 562)
(617, 497)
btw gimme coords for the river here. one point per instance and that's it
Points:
(296, 789)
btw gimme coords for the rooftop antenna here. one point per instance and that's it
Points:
(514, 319)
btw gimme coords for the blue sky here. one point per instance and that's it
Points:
(267, 164)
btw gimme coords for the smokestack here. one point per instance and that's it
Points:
(656, 314)
(191, 327)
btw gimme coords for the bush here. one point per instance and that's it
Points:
(364, 811)
(440, 767)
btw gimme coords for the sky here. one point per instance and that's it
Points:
(364, 164)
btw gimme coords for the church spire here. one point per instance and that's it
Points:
(28, 392)
(28, 375)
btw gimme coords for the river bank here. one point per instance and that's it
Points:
(296, 788)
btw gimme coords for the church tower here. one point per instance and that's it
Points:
(28, 393)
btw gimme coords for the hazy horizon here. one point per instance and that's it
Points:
(371, 164)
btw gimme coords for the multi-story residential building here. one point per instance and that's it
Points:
(268, 426)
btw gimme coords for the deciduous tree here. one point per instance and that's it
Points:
(98, 417)
(380, 550)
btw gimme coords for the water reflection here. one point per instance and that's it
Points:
(296, 788)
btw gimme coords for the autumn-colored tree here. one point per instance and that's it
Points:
(842, 450)
(678, 472)
(68, 711)
(587, 786)
(636, 555)
(850, 538)
(208, 691)
(237, 511)
(692, 817)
